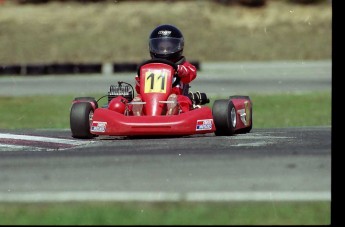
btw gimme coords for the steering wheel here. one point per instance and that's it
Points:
(158, 60)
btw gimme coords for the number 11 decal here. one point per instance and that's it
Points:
(155, 81)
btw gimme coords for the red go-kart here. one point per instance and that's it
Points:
(227, 116)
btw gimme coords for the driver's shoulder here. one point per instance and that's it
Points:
(181, 61)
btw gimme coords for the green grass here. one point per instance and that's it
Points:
(118, 31)
(269, 111)
(174, 213)
(286, 110)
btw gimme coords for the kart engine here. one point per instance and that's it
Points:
(125, 91)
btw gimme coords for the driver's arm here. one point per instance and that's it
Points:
(187, 72)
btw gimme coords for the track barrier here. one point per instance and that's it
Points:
(72, 68)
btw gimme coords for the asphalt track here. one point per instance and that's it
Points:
(265, 164)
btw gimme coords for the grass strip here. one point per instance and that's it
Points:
(161, 213)
(269, 111)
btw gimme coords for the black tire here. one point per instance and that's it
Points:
(80, 120)
(224, 116)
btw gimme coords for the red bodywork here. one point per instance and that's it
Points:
(156, 84)
(242, 106)
(107, 122)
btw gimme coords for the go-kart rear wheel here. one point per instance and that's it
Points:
(247, 129)
(224, 116)
(80, 120)
(249, 112)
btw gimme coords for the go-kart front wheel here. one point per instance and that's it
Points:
(80, 120)
(224, 116)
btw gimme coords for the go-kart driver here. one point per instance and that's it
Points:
(167, 42)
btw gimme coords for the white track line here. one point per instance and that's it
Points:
(15, 147)
(163, 196)
(41, 139)
(10, 147)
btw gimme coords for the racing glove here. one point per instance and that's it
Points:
(187, 72)
(182, 71)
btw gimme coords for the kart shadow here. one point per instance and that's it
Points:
(144, 137)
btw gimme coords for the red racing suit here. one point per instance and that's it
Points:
(187, 73)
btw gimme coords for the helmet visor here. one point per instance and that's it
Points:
(166, 45)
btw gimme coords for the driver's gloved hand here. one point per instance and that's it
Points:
(182, 71)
